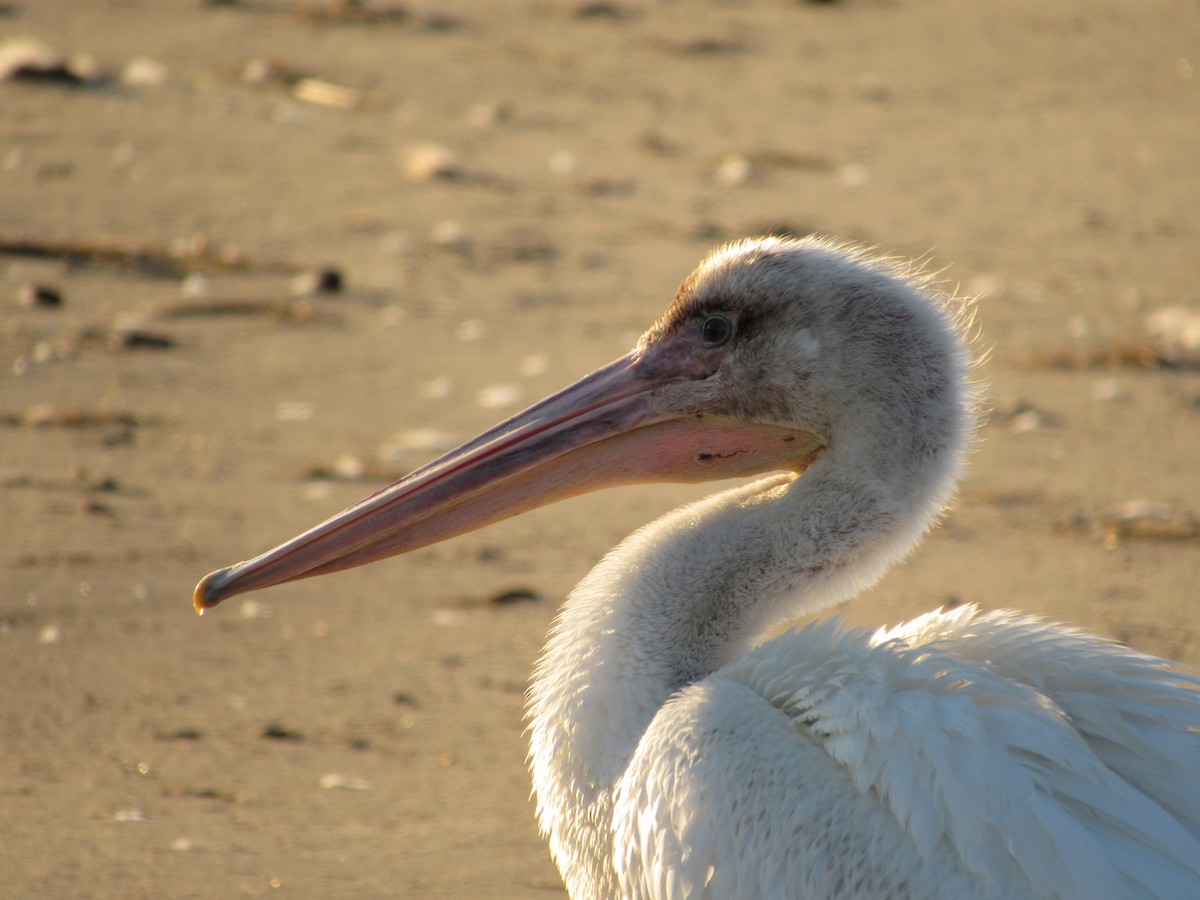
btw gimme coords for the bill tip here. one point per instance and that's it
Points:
(208, 593)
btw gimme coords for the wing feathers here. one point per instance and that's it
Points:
(1022, 758)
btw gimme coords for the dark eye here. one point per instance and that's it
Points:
(716, 330)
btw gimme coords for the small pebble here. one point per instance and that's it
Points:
(255, 609)
(431, 162)
(326, 93)
(1025, 418)
(488, 115)
(39, 295)
(515, 595)
(344, 782)
(23, 59)
(181, 734)
(1027, 421)
(497, 396)
(143, 71)
(317, 490)
(1175, 326)
(437, 389)
(415, 440)
(1107, 389)
(984, 285)
(452, 236)
(563, 162)
(1146, 509)
(734, 170)
(349, 467)
(598, 9)
(537, 364)
(260, 71)
(92, 506)
(448, 618)
(141, 340)
(320, 281)
(852, 175)
(195, 285)
(277, 732)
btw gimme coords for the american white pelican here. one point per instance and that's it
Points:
(962, 755)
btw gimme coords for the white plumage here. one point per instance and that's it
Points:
(997, 745)
(961, 755)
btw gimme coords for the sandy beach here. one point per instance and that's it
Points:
(261, 257)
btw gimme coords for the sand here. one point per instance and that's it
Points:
(510, 192)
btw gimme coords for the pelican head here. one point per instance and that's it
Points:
(774, 353)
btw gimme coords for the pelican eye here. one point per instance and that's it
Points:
(716, 330)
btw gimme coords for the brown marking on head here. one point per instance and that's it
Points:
(692, 299)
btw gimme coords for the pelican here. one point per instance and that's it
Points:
(675, 753)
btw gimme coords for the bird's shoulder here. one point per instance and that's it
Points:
(989, 747)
